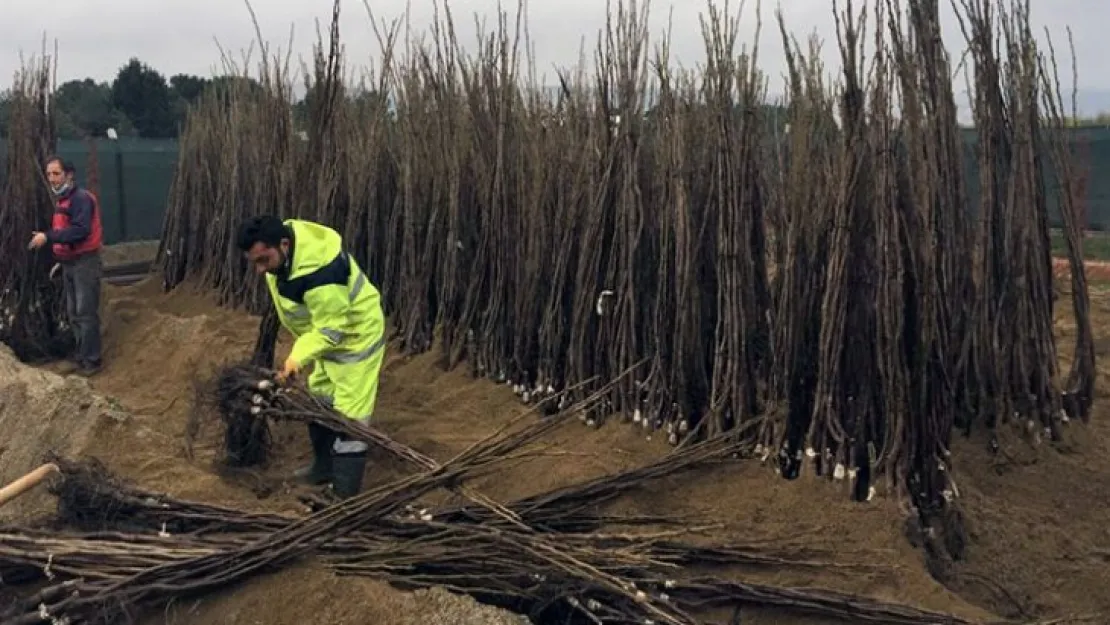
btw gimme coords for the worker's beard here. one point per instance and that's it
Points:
(282, 268)
(61, 189)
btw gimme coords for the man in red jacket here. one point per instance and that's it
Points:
(75, 237)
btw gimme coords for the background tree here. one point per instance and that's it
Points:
(84, 108)
(188, 87)
(144, 96)
(5, 110)
(228, 83)
(185, 90)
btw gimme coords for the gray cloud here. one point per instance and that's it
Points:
(179, 36)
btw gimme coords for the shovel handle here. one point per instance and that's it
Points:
(27, 482)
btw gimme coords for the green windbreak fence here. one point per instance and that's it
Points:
(134, 181)
(1092, 145)
(135, 176)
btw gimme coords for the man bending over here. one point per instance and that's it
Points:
(327, 303)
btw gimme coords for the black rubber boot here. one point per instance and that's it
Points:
(349, 469)
(321, 469)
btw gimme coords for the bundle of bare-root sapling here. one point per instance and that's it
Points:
(1071, 177)
(1014, 351)
(104, 600)
(625, 577)
(32, 309)
(801, 191)
(241, 124)
(742, 333)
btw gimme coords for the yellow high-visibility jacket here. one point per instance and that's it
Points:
(325, 300)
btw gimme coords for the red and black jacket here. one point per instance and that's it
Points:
(76, 229)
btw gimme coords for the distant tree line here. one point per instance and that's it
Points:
(1102, 120)
(139, 102)
(142, 102)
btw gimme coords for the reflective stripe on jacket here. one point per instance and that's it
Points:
(325, 300)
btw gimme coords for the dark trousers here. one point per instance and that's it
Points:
(81, 282)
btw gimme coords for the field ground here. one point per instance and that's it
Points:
(132, 252)
(1039, 526)
(1096, 245)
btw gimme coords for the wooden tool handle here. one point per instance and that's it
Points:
(26, 483)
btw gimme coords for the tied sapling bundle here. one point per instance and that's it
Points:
(100, 601)
(134, 535)
(32, 308)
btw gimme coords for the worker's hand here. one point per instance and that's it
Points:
(38, 239)
(288, 371)
(54, 270)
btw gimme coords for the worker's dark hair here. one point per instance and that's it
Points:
(266, 229)
(67, 166)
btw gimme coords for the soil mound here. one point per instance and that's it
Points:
(306, 595)
(42, 412)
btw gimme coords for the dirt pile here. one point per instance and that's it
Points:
(312, 596)
(42, 412)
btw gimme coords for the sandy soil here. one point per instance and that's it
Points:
(49, 413)
(1039, 526)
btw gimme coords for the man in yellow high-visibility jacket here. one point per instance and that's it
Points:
(327, 303)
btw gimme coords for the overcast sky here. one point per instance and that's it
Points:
(95, 37)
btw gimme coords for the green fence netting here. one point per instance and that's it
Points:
(134, 181)
(135, 176)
